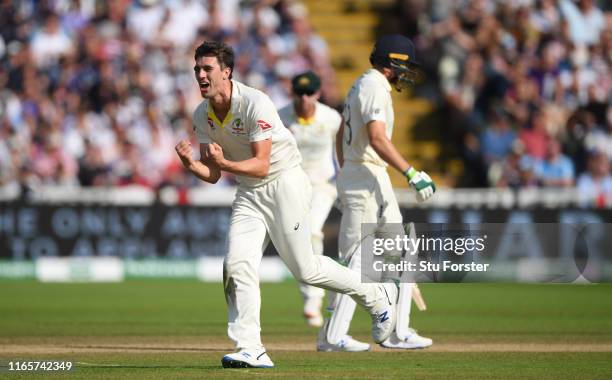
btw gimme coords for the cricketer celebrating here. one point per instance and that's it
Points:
(314, 126)
(239, 131)
(364, 149)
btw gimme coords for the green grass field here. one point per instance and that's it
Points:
(176, 330)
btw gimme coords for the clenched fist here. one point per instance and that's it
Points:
(185, 152)
(214, 152)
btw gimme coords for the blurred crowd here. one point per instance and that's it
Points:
(97, 93)
(524, 87)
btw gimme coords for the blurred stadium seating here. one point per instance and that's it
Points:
(505, 80)
(97, 93)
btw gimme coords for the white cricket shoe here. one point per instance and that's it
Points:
(384, 312)
(312, 312)
(347, 344)
(247, 359)
(412, 341)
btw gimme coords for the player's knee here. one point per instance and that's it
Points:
(308, 278)
(308, 274)
(237, 269)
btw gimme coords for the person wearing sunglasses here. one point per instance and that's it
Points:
(314, 126)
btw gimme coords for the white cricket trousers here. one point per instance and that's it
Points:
(277, 211)
(367, 196)
(323, 198)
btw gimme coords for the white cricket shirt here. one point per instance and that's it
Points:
(369, 99)
(315, 139)
(252, 117)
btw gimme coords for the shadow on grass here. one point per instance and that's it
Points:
(149, 348)
(81, 365)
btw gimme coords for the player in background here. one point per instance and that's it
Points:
(364, 150)
(314, 126)
(239, 131)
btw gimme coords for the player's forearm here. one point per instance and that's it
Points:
(204, 172)
(387, 151)
(253, 167)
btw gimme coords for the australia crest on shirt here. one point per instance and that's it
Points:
(238, 127)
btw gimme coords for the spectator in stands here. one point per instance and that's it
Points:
(585, 21)
(556, 170)
(462, 123)
(144, 19)
(517, 170)
(510, 170)
(49, 159)
(529, 177)
(595, 186)
(7, 170)
(598, 137)
(462, 94)
(497, 140)
(574, 139)
(92, 169)
(522, 100)
(545, 18)
(182, 21)
(535, 137)
(579, 79)
(50, 43)
(548, 71)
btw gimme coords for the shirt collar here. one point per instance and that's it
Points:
(235, 106)
(380, 78)
(307, 121)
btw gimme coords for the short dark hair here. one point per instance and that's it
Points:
(223, 52)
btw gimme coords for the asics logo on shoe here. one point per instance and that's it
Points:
(297, 225)
(246, 354)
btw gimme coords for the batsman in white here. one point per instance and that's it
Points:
(314, 126)
(364, 150)
(239, 131)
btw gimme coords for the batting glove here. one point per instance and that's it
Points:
(422, 184)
